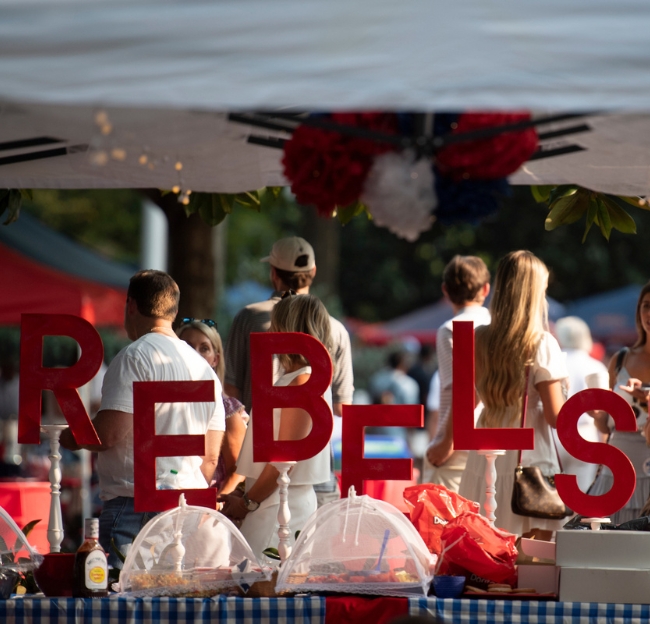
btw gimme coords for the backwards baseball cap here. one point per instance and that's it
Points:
(293, 254)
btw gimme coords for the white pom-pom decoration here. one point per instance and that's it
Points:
(399, 194)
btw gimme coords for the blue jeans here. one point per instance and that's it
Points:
(119, 523)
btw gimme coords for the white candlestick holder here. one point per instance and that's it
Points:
(284, 513)
(55, 525)
(490, 504)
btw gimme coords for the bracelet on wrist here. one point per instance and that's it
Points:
(250, 505)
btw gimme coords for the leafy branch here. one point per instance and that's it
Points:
(213, 208)
(10, 201)
(8, 559)
(568, 203)
(272, 553)
(345, 214)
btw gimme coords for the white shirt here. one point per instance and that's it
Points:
(433, 398)
(580, 364)
(444, 348)
(156, 357)
(308, 471)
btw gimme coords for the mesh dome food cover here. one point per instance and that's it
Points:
(358, 545)
(189, 551)
(15, 551)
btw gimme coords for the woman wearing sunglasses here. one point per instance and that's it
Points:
(203, 337)
(256, 512)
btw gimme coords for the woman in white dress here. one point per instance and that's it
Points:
(257, 510)
(630, 368)
(517, 338)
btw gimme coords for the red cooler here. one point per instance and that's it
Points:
(25, 501)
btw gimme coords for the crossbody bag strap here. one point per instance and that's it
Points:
(524, 408)
(620, 357)
(618, 365)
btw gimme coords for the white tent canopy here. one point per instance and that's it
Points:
(166, 71)
(325, 54)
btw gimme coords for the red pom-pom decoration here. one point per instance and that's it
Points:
(487, 159)
(328, 169)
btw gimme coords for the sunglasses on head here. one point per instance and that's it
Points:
(288, 293)
(208, 322)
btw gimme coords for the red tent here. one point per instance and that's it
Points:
(45, 272)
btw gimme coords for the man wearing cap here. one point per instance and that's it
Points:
(293, 267)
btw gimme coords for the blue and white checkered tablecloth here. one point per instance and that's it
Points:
(118, 610)
(303, 610)
(473, 611)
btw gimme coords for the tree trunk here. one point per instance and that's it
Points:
(191, 257)
(325, 237)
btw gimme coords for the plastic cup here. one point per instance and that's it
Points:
(54, 576)
(445, 586)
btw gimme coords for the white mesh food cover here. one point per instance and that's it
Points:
(358, 545)
(15, 551)
(189, 551)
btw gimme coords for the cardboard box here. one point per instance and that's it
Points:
(537, 569)
(544, 579)
(541, 551)
(605, 585)
(625, 550)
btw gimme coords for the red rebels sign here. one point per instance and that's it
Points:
(355, 468)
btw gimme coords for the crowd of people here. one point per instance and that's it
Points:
(520, 360)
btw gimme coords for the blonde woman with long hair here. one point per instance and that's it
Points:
(256, 512)
(517, 340)
(203, 337)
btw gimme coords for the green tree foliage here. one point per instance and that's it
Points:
(108, 221)
(251, 234)
(384, 277)
(568, 203)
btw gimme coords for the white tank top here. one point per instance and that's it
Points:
(309, 471)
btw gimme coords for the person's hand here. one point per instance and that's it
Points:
(233, 507)
(67, 440)
(636, 389)
(439, 453)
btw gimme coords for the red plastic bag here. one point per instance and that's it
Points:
(472, 546)
(431, 507)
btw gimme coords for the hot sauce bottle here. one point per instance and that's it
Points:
(90, 564)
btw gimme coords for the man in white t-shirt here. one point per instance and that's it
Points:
(156, 354)
(466, 283)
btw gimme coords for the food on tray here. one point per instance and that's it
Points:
(333, 567)
(358, 545)
(147, 580)
(189, 551)
(474, 590)
(398, 575)
(195, 583)
(500, 589)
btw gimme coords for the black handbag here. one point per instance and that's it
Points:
(534, 494)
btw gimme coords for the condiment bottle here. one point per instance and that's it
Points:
(90, 564)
